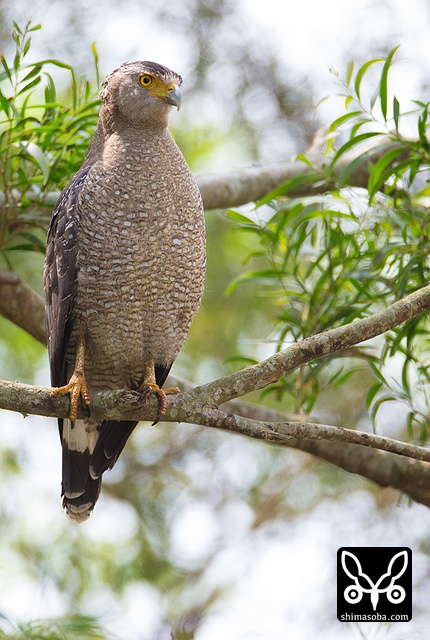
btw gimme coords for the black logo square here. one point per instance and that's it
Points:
(374, 583)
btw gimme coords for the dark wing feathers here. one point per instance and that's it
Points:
(60, 276)
(110, 443)
(113, 435)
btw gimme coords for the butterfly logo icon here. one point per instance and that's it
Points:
(363, 584)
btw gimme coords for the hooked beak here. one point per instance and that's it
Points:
(174, 97)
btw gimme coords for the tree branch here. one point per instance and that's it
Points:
(271, 370)
(21, 305)
(411, 477)
(200, 406)
(235, 188)
(404, 471)
(253, 377)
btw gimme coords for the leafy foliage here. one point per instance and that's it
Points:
(329, 259)
(43, 140)
(64, 628)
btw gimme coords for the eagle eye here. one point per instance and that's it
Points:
(146, 80)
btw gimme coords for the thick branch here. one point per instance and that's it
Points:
(231, 189)
(21, 305)
(254, 377)
(404, 471)
(124, 404)
(412, 477)
(271, 370)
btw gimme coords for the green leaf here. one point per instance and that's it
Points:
(239, 217)
(50, 91)
(5, 104)
(336, 124)
(34, 71)
(378, 175)
(6, 68)
(36, 27)
(378, 404)
(351, 168)
(361, 72)
(37, 154)
(383, 86)
(263, 274)
(30, 85)
(374, 389)
(349, 71)
(16, 61)
(301, 157)
(353, 142)
(396, 112)
(304, 178)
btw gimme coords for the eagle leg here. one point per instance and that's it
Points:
(149, 386)
(77, 385)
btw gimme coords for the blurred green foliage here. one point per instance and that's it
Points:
(326, 260)
(65, 628)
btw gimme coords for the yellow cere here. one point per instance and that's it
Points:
(156, 85)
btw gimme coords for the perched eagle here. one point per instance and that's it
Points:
(124, 270)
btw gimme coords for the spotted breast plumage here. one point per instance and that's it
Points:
(124, 270)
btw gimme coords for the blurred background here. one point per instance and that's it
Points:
(201, 534)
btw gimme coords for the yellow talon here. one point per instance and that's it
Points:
(77, 385)
(149, 386)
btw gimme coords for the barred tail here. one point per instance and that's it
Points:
(79, 490)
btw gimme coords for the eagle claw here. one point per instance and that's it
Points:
(148, 388)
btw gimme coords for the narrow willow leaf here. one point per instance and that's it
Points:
(422, 127)
(378, 175)
(239, 217)
(353, 142)
(349, 71)
(6, 68)
(63, 65)
(396, 112)
(361, 72)
(16, 61)
(263, 274)
(305, 178)
(357, 126)
(348, 101)
(37, 154)
(50, 92)
(95, 52)
(34, 71)
(345, 118)
(5, 104)
(351, 168)
(302, 158)
(17, 28)
(96, 62)
(30, 85)
(383, 85)
(377, 386)
(26, 48)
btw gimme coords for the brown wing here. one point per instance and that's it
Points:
(60, 276)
